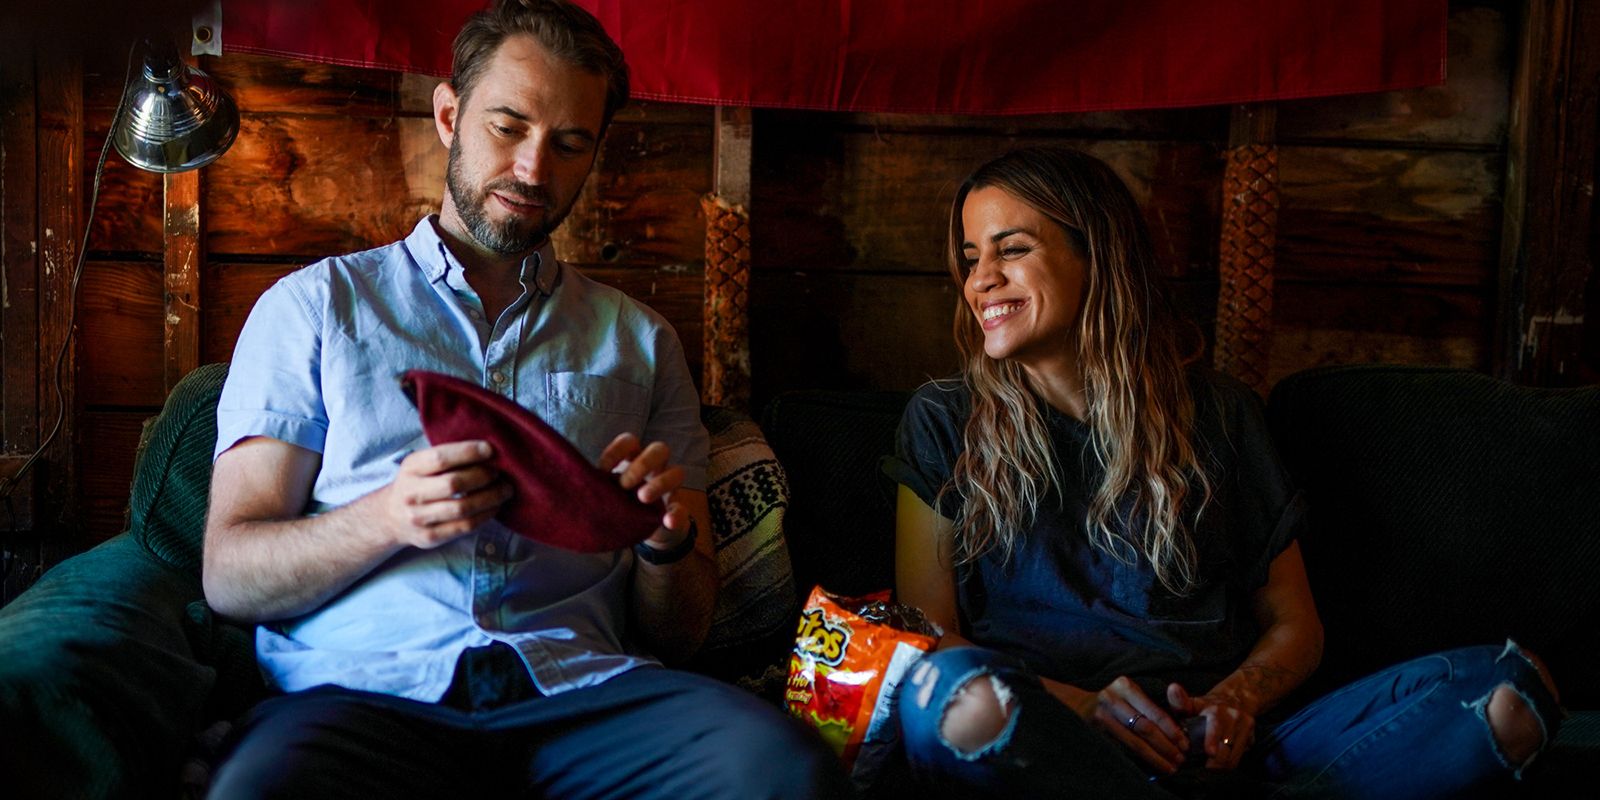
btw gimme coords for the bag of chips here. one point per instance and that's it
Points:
(849, 655)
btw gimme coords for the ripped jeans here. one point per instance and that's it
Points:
(1417, 729)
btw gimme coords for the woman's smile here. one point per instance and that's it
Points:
(999, 313)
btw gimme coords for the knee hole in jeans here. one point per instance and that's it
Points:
(1515, 726)
(976, 714)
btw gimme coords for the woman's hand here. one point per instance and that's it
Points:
(1287, 652)
(1230, 729)
(1125, 713)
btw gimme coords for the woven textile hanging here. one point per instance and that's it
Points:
(1249, 239)
(726, 379)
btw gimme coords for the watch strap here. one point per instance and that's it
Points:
(672, 555)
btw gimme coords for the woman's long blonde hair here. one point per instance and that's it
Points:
(1140, 411)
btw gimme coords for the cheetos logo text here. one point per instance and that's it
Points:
(820, 638)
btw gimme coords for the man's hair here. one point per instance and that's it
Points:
(567, 31)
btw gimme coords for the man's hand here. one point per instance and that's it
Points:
(441, 493)
(649, 471)
(671, 603)
(265, 560)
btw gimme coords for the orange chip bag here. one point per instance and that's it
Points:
(849, 655)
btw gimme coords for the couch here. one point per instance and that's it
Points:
(1448, 508)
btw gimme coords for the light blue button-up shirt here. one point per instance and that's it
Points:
(317, 365)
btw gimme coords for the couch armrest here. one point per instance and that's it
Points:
(1447, 508)
(172, 479)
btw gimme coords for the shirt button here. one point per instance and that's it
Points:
(473, 312)
(490, 549)
(497, 376)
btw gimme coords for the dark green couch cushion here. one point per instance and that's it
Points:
(1447, 508)
(100, 691)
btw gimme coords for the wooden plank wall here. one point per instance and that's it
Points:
(1551, 242)
(1389, 228)
(20, 554)
(19, 306)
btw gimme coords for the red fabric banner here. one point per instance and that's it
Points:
(922, 56)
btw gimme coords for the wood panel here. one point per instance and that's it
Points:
(272, 85)
(1552, 227)
(19, 244)
(1467, 111)
(1387, 216)
(19, 293)
(849, 331)
(641, 205)
(128, 214)
(841, 199)
(60, 158)
(1319, 324)
(180, 286)
(320, 186)
(128, 218)
(1184, 124)
(263, 84)
(10, 466)
(119, 346)
(110, 441)
(658, 113)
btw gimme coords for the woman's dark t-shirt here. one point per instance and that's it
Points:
(1073, 612)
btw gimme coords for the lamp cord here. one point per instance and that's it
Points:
(10, 484)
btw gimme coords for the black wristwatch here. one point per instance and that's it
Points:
(672, 555)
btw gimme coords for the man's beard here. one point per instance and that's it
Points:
(515, 235)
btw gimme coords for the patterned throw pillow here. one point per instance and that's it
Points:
(754, 619)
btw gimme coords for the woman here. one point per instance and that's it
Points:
(1110, 541)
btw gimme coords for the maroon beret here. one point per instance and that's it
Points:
(561, 499)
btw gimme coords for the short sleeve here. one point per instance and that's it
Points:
(274, 385)
(675, 411)
(1266, 512)
(928, 443)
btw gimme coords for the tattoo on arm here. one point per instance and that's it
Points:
(1265, 682)
(1268, 680)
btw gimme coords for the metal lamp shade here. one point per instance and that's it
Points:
(176, 116)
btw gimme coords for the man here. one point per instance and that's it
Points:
(423, 648)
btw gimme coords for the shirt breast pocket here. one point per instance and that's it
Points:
(591, 410)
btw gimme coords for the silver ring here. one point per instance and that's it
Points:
(1134, 720)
